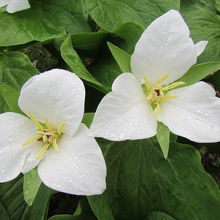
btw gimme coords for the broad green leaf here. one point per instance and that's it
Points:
(31, 186)
(199, 72)
(159, 216)
(10, 96)
(215, 80)
(45, 20)
(217, 4)
(13, 206)
(88, 41)
(73, 60)
(15, 70)
(87, 119)
(83, 212)
(141, 181)
(163, 137)
(130, 37)
(111, 14)
(105, 69)
(204, 24)
(121, 57)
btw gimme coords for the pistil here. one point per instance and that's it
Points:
(155, 93)
(46, 134)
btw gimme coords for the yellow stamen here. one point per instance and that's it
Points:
(48, 125)
(36, 122)
(172, 86)
(156, 93)
(42, 151)
(147, 82)
(47, 135)
(157, 109)
(167, 97)
(31, 140)
(60, 128)
(55, 145)
(162, 78)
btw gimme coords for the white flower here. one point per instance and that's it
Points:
(13, 6)
(162, 55)
(67, 159)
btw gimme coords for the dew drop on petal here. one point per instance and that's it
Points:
(216, 128)
(84, 187)
(3, 171)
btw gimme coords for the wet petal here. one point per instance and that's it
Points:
(194, 113)
(17, 5)
(124, 113)
(164, 48)
(3, 2)
(79, 168)
(15, 130)
(200, 47)
(57, 95)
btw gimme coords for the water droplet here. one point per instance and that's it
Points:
(3, 171)
(135, 124)
(206, 114)
(164, 33)
(216, 128)
(81, 175)
(84, 187)
(166, 43)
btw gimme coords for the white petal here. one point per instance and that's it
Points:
(16, 129)
(17, 5)
(3, 2)
(194, 113)
(164, 48)
(124, 113)
(200, 47)
(79, 168)
(57, 95)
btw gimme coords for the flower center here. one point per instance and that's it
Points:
(46, 134)
(155, 93)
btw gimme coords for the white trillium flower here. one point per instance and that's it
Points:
(163, 54)
(13, 6)
(52, 138)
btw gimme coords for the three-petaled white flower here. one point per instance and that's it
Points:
(162, 55)
(13, 6)
(67, 159)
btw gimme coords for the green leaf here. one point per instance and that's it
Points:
(199, 72)
(31, 186)
(163, 137)
(73, 60)
(141, 181)
(111, 14)
(159, 216)
(83, 212)
(105, 69)
(121, 57)
(87, 119)
(45, 20)
(13, 206)
(217, 4)
(204, 24)
(10, 96)
(88, 41)
(15, 70)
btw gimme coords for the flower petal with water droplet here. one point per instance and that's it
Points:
(193, 114)
(79, 168)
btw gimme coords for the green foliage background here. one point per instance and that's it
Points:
(141, 183)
